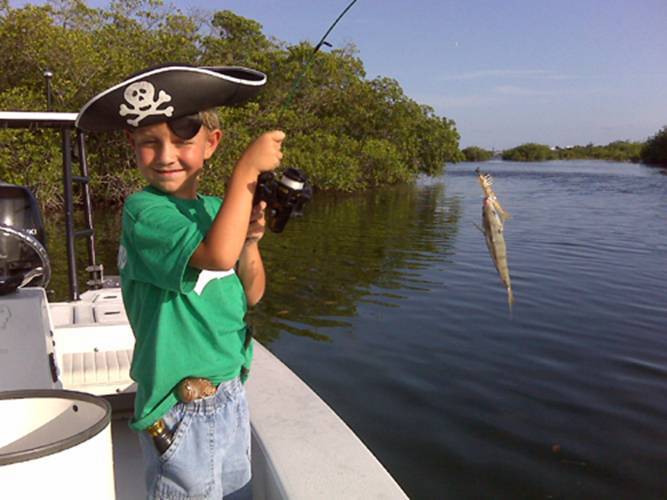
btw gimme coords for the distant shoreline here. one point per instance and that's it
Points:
(614, 151)
(500, 159)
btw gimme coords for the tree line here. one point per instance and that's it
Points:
(346, 131)
(651, 152)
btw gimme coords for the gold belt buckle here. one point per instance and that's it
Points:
(192, 388)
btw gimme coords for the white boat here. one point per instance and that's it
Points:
(66, 393)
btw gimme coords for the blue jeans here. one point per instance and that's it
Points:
(210, 454)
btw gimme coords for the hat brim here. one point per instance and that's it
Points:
(174, 91)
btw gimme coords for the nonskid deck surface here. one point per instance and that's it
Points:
(94, 343)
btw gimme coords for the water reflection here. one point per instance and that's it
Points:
(349, 250)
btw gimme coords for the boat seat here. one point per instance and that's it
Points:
(101, 372)
(85, 313)
(94, 343)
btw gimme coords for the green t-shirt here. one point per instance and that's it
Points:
(186, 323)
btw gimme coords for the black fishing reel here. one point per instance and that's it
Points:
(284, 197)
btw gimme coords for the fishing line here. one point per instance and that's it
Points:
(297, 81)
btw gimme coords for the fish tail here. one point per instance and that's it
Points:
(510, 298)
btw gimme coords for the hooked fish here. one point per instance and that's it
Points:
(493, 219)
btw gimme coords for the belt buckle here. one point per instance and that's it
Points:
(193, 388)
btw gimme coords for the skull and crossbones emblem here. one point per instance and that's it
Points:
(142, 102)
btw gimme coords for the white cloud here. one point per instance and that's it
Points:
(537, 74)
(450, 102)
(513, 90)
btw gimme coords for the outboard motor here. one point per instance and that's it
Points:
(23, 258)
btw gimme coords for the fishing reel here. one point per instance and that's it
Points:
(284, 197)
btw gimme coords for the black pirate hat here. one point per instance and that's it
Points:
(169, 93)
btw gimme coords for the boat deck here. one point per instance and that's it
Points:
(300, 447)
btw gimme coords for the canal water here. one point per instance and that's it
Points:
(388, 305)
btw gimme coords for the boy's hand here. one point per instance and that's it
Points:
(257, 224)
(265, 152)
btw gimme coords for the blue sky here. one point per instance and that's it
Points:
(507, 72)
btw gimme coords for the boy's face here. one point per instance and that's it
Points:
(169, 163)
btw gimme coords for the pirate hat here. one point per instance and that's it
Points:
(166, 94)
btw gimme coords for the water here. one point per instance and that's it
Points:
(388, 305)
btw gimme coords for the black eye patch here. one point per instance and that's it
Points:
(185, 127)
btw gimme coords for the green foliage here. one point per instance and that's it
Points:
(38, 166)
(346, 131)
(654, 151)
(330, 161)
(474, 153)
(529, 152)
(614, 151)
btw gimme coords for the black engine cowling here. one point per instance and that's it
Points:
(20, 216)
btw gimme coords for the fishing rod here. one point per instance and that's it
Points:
(288, 194)
(297, 81)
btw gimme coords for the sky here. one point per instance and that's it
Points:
(507, 72)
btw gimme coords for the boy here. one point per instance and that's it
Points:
(185, 302)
